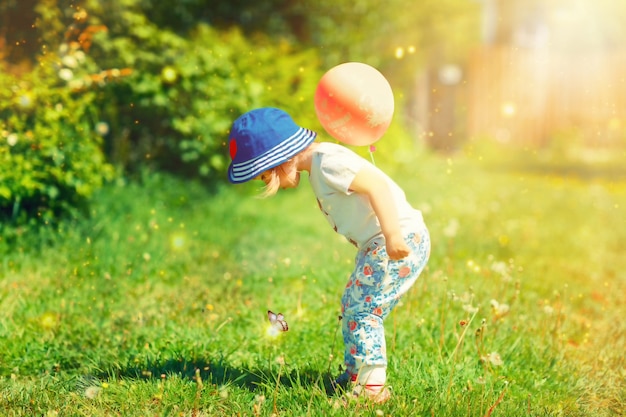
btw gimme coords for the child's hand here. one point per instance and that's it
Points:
(397, 248)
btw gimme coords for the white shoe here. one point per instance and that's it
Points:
(375, 393)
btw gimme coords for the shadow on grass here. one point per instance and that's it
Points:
(219, 372)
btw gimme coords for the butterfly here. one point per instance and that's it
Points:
(278, 321)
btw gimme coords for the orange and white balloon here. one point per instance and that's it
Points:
(354, 103)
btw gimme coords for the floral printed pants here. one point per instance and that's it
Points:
(374, 289)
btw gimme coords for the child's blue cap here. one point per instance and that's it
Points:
(262, 139)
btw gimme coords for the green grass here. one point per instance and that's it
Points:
(155, 305)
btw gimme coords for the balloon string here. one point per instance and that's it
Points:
(372, 150)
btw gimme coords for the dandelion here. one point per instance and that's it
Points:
(92, 392)
(470, 308)
(256, 407)
(466, 298)
(499, 310)
(499, 268)
(337, 404)
(494, 358)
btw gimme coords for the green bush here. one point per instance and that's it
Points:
(111, 88)
(175, 110)
(50, 153)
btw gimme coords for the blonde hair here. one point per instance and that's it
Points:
(272, 177)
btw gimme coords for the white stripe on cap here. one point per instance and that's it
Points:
(247, 170)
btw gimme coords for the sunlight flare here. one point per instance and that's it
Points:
(177, 242)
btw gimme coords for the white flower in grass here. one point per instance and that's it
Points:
(92, 392)
(498, 309)
(470, 308)
(494, 358)
(500, 268)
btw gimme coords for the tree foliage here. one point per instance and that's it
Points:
(51, 158)
(364, 30)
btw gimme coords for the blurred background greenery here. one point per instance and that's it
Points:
(123, 254)
(92, 91)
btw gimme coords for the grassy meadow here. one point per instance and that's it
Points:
(156, 305)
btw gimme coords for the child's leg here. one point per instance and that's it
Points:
(374, 289)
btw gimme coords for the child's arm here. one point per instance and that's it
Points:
(369, 182)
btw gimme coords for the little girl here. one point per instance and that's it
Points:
(360, 202)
